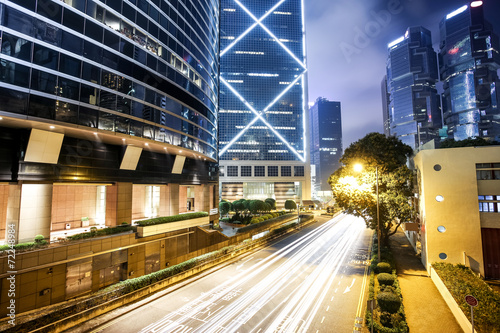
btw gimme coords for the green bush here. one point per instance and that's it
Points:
(461, 281)
(383, 267)
(173, 218)
(39, 239)
(389, 302)
(100, 232)
(385, 279)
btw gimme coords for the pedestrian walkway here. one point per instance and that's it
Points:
(426, 311)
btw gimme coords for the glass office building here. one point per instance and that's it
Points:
(117, 96)
(326, 142)
(414, 110)
(469, 61)
(262, 131)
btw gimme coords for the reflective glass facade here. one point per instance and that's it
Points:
(469, 60)
(326, 140)
(144, 68)
(262, 100)
(413, 108)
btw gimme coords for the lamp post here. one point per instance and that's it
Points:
(358, 168)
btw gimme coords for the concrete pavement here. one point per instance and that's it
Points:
(426, 311)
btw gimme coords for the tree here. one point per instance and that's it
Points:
(271, 202)
(355, 192)
(224, 208)
(469, 142)
(290, 205)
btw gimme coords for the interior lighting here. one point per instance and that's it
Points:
(52, 127)
(476, 3)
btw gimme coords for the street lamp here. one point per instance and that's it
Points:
(358, 168)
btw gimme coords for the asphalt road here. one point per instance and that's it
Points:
(308, 282)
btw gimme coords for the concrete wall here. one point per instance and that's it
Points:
(72, 202)
(451, 173)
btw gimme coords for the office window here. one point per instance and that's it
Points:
(272, 171)
(298, 171)
(286, 171)
(232, 171)
(246, 171)
(221, 171)
(259, 171)
(489, 203)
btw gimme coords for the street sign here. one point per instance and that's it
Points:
(471, 300)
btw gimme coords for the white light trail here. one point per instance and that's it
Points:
(312, 263)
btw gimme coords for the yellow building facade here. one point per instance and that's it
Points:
(459, 207)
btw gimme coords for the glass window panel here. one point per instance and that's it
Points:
(46, 57)
(112, 40)
(89, 94)
(68, 88)
(91, 73)
(106, 121)
(71, 43)
(50, 9)
(28, 4)
(66, 112)
(93, 31)
(16, 47)
(13, 73)
(43, 81)
(488, 197)
(18, 21)
(135, 128)
(87, 117)
(41, 107)
(13, 101)
(69, 65)
(73, 21)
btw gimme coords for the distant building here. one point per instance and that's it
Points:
(459, 208)
(414, 112)
(469, 60)
(263, 102)
(326, 141)
(386, 116)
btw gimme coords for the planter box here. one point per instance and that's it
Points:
(171, 226)
(462, 320)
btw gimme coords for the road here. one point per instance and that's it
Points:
(308, 282)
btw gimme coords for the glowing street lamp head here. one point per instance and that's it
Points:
(358, 167)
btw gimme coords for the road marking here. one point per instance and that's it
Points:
(332, 299)
(339, 283)
(363, 287)
(328, 308)
(335, 290)
(323, 319)
(348, 289)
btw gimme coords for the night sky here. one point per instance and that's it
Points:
(348, 67)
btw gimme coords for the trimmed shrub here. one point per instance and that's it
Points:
(383, 267)
(39, 239)
(173, 218)
(385, 279)
(388, 302)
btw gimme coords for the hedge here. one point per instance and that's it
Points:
(384, 321)
(384, 267)
(101, 232)
(385, 279)
(461, 281)
(263, 223)
(173, 218)
(25, 246)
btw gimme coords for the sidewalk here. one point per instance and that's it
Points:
(426, 311)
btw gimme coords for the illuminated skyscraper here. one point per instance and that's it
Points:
(413, 106)
(326, 142)
(469, 61)
(262, 129)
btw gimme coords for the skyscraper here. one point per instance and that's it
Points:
(262, 129)
(469, 61)
(107, 111)
(414, 113)
(326, 141)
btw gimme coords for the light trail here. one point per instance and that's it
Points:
(292, 292)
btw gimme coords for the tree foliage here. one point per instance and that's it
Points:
(469, 142)
(224, 208)
(271, 202)
(355, 192)
(290, 205)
